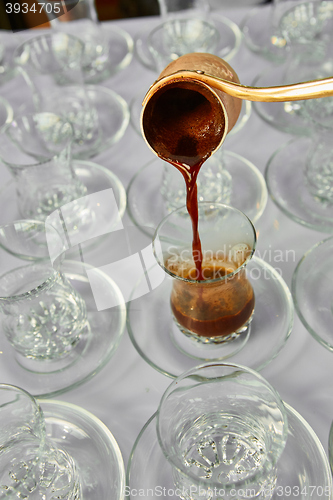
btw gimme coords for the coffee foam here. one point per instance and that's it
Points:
(216, 264)
(239, 253)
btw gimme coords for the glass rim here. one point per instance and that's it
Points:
(33, 400)
(191, 374)
(32, 260)
(69, 140)
(50, 35)
(215, 280)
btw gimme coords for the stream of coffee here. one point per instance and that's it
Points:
(190, 174)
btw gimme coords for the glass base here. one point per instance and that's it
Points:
(228, 46)
(280, 115)
(147, 207)
(312, 283)
(90, 355)
(92, 447)
(288, 187)
(209, 347)
(303, 462)
(153, 331)
(94, 178)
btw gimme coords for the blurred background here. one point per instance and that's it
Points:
(106, 10)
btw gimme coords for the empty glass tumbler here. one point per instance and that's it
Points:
(176, 37)
(82, 21)
(223, 429)
(42, 315)
(36, 148)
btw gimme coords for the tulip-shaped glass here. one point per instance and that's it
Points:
(36, 148)
(185, 29)
(107, 48)
(220, 307)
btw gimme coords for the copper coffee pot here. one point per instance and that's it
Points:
(197, 99)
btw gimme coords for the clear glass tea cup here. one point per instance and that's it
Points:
(42, 315)
(222, 428)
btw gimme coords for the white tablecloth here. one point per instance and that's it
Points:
(127, 391)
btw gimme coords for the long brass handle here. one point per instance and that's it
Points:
(295, 92)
